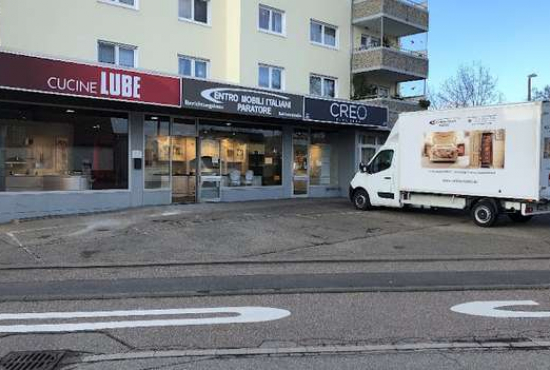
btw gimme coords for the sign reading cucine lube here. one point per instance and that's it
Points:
(344, 112)
(36, 74)
(215, 97)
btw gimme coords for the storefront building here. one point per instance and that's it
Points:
(78, 138)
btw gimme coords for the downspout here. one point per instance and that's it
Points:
(352, 42)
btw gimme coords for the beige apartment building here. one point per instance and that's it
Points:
(109, 104)
(316, 47)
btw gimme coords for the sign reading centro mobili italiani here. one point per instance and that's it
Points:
(36, 74)
(215, 97)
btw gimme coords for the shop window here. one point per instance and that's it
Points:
(52, 149)
(193, 67)
(194, 10)
(322, 86)
(271, 77)
(122, 55)
(157, 152)
(271, 20)
(369, 144)
(247, 156)
(323, 34)
(324, 158)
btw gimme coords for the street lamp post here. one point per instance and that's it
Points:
(530, 86)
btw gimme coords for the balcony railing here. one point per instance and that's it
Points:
(401, 64)
(415, 53)
(413, 15)
(418, 4)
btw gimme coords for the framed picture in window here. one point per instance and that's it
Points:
(61, 154)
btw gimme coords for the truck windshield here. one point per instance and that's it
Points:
(382, 162)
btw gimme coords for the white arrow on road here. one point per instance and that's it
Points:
(496, 309)
(225, 315)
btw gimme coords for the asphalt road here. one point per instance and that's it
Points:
(266, 284)
(364, 290)
(369, 321)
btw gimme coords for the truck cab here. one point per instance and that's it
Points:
(376, 183)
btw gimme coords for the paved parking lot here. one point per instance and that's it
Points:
(328, 229)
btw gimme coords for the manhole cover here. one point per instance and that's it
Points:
(42, 360)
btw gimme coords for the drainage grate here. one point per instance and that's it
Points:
(39, 360)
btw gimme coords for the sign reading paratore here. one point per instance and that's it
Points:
(216, 97)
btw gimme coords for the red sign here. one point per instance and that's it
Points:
(67, 78)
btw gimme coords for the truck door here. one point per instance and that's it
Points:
(381, 181)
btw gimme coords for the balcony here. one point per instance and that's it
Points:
(392, 64)
(396, 18)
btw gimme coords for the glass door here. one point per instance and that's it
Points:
(300, 168)
(183, 133)
(210, 169)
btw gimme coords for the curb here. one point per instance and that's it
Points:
(326, 350)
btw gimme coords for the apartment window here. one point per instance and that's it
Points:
(271, 20)
(122, 55)
(194, 10)
(130, 3)
(271, 77)
(323, 34)
(322, 86)
(193, 67)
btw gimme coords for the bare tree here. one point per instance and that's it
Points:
(473, 85)
(543, 94)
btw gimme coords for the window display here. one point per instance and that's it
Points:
(243, 156)
(324, 158)
(54, 149)
(157, 152)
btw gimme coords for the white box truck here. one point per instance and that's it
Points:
(488, 160)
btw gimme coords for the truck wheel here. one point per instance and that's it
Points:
(361, 200)
(485, 213)
(519, 218)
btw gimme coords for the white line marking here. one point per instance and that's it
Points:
(20, 245)
(494, 309)
(243, 315)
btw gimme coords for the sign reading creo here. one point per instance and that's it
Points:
(344, 112)
(349, 111)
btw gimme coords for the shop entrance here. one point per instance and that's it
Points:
(184, 179)
(210, 169)
(184, 161)
(300, 167)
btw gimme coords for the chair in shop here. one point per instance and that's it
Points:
(248, 178)
(234, 178)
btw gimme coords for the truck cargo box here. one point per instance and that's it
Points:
(498, 152)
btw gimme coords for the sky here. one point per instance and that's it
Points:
(510, 37)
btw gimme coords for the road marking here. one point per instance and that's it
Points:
(495, 309)
(239, 315)
(20, 245)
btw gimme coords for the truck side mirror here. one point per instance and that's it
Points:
(363, 168)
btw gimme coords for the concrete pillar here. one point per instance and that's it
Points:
(3, 136)
(287, 161)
